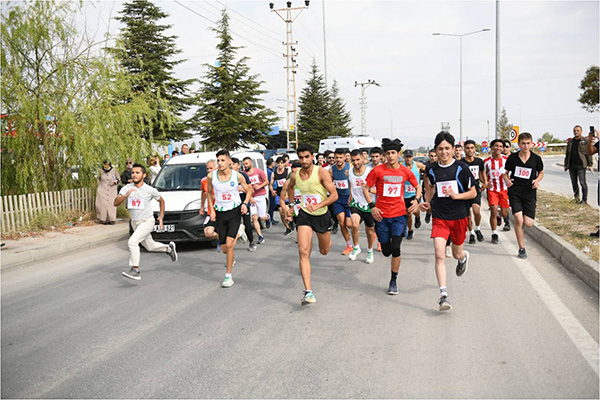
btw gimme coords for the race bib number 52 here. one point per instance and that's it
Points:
(442, 188)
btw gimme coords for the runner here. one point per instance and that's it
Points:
(246, 229)
(314, 183)
(258, 202)
(390, 212)
(330, 162)
(507, 152)
(359, 206)
(139, 196)
(458, 149)
(209, 225)
(449, 188)
(375, 157)
(296, 203)
(524, 172)
(410, 192)
(227, 207)
(432, 159)
(497, 191)
(478, 170)
(341, 207)
(278, 178)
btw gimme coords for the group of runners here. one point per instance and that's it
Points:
(387, 196)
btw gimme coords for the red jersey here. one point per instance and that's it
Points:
(204, 186)
(494, 169)
(256, 178)
(389, 183)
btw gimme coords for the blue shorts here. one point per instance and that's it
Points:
(389, 227)
(341, 206)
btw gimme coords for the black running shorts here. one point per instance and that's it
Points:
(523, 203)
(318, 223)
(228, 223)
(365, 216)
(476, 199)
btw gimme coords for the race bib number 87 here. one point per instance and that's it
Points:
(442, 188)
(135, 204)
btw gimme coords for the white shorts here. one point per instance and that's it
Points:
(260, 207)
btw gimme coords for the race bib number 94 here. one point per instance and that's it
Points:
(135, 204)
(392, 190)
(523, 173)
(442, 188)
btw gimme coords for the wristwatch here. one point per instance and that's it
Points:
(372, 204)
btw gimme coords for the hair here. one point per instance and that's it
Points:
(153, 161)
(287, 157)
(525, 136)
(493, 142)
(280, 159)
(327, 153)
(340, 151)
(470, 141)
(248, 158)
(505, 141)
(270, 161)
(578, 126)
(223, 153)
(431, 150)
(457, 145)
(212, 160)
(296, 164)
(388, 145)
(355, 153)
(376, 150)
(318, 154)
(174, 153)
(185, 144)
(235, 160)
(136, 165)
(303, 147)
(441, 137)
(347, 151)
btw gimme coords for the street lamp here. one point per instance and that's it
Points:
(460, 36)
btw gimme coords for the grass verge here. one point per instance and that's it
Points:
(572, 222)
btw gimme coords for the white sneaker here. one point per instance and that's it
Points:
(242, 233)
(355, 251)
(370, 258)
(448, 251)
(172, 252)
(227, 282)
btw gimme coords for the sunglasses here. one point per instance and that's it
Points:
(129, 163)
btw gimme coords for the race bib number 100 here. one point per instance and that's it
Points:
(442, 188)
(135, 204)
(523, 173)
(392, 190)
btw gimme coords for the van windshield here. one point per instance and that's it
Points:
(180, 177)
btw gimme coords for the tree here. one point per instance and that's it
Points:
(230, 114)
(60, 105)
(146, 52)
(314, 114)
(504, 128)
(340, 118)
(547, 137)
(589, 84)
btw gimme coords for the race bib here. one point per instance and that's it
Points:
(254, 179)
(496, 174)
(523, 173)
(135, 204)
(343, 184)
(297, 208)
(313, 199)
(359, 182)
(226, 197)
(409, 188)
(475, 171)
(442, 188)
(392, 190)
(280, 182)
(297, 194)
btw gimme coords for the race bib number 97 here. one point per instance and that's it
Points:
(442, 188)
(392, 190)
(523, 173)
(135, 204)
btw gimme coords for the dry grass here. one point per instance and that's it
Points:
(572, 222)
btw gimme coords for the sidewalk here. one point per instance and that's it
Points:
(30, 250)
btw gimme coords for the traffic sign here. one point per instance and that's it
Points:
(484, 149)
(514, 134)
(484, 144)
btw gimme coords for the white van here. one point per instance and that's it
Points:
(179, 184)
(351, 142)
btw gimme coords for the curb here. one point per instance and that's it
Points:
(11, 261)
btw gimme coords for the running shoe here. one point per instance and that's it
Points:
(522, 253)
(261, 240)
(354, 253)
(308, 298)
(370, 257)
(417, 222)
(471, 239)
(448, 251)
(393, 289)
(172, 252)
(268, 223)
(232, 265)
(252, 247)
(133, 273)
(219, 248)
(334, 229)
(461, 267)
(506, 226)
(410, 235)
(379, 247)
(427, 217)
(495, 238)
(444, 303)
(274, 222)
(347, 250)
(227, 282)
(479, 235)
(242, 233)
(287, 232)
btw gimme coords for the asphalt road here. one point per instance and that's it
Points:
(75, 328)
(557, 180)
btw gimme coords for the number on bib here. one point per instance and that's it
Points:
(313, 199)
(343, 184)
(226, 197)
(392, 190)
(442, 188)
(523, 173)
(135, 204)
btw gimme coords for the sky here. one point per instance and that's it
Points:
(545, 49)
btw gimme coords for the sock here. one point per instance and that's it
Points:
(473, 233)
(227, 275)
(478, 228)
(356, 246)
(443, 291)
(370, 249)
(494, 232)
(506, 221)
(394, 276)
(349, 243)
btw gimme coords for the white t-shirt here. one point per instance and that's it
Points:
(139, 202)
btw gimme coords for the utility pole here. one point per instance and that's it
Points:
(498, 105)
(324, 46)
(291, 66)
(363, 104)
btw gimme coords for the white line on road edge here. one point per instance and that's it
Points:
(580, 337)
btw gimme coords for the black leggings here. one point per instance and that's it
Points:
(247, 221)
(228, 224)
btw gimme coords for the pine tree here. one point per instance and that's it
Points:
(314, 114)
(146, 52)
(504, 128)
(340, 118)
(230, 114)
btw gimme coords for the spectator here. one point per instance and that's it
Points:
(126, 175)
(108, 179)
(577, 162)
(185, 149)
(320, 159)
(507, 147)
(192, 151)
(165, 159)
(154, 168)
(175, 153)
(458, 151)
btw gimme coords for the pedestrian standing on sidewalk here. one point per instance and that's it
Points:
(139, 196)
(108, 179)
(524, 171)
(448, 189)
(577, 163)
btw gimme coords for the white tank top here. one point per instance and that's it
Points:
(227, 195)
(356, 182)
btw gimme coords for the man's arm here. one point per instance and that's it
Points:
(121, 198)
(161, 214)
(327, 182)
(590, 149)
(536, 181)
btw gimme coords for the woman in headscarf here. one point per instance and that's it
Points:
(106, 194)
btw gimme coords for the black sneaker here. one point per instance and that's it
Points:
(268, 224)
(522, 253)
(495, 238)
(427, 217)
(471, 239)
(410, 235)
(133, 273)
(334, 230)
(252, 247)
(479, 235)
(444, 303)
(506, 227)
(417, 222)
(274, 222)
(287, 232)
(461, 267)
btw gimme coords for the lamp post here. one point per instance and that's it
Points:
(461, 36)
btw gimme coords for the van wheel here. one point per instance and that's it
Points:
(214, 243)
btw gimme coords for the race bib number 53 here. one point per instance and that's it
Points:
(442, 188)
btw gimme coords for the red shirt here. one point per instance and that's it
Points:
(256, 178)
(204, 186)
(389, 183)
(494, 168)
